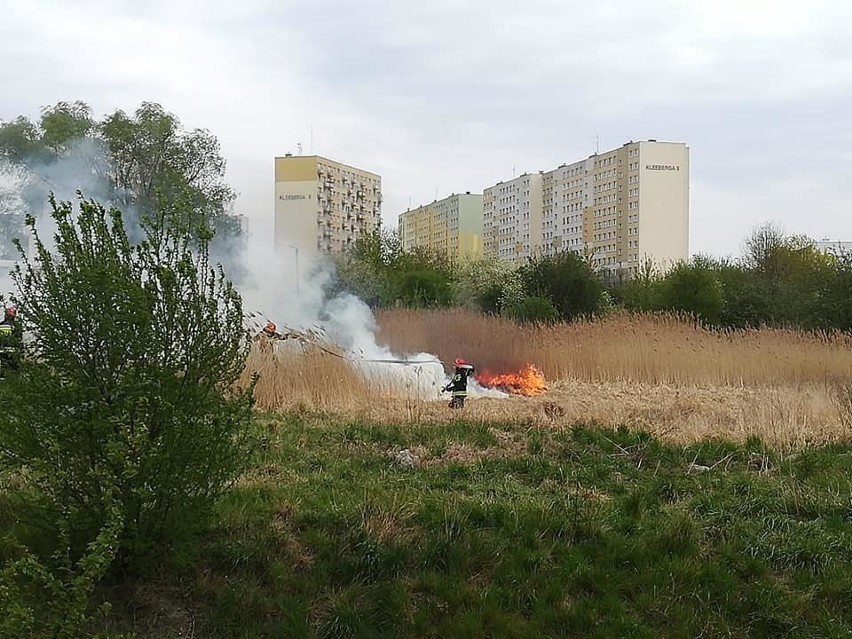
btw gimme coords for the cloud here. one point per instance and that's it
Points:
(453, 94)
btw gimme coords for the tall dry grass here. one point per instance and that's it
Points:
(310, 379)
(667, 376)
(624, 347)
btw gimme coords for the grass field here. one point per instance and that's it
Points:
(507, 530)
(672, 482)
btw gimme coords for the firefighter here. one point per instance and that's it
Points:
(458, 384)
(11, 339)
(271, 331)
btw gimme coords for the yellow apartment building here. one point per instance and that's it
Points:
(452, 226)
(322, 205)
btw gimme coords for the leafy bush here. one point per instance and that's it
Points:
(481, 283)
(640, 292)
(423, 288)
(534, 310)
(693, 288)
(50, 598)
(123, 416)
(567, 281)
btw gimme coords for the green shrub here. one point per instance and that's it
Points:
(692, 288)
(123, 416)
(534, 309)
(567, 281)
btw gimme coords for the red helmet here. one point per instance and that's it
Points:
(459, 362)
(270, 326)
(11, 311)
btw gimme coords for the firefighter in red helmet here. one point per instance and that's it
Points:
(271, 331)
(458, 383)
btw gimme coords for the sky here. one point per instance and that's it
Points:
(455, 95)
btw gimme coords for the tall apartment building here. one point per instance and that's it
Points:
(834, 247)
(452, 225)
(616, 208)
(323, 205)
(512, 218)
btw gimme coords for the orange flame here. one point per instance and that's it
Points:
(528, 381)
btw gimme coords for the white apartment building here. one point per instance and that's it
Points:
(512, 217)
(834, 247)
(616, 208)
(566, 194)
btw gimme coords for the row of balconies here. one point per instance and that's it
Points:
(349, 214)
(352, 220)
(324, 176)
(328, 235)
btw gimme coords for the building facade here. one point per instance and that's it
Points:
(837, 248)
(512, 218)
(322, 205)
(617, 209)
(452, 226)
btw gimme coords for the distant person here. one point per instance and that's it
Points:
(11, 340)
(458, 384)
(271, 331)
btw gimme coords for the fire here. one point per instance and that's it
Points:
(528, 381)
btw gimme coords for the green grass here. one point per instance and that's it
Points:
(580, 533)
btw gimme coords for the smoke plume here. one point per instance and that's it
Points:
(285, 286)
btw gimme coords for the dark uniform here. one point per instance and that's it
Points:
(11, 340)
(458, 384)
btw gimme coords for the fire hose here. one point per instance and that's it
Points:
(313, 340)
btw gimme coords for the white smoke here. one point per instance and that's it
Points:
(83, 167)
(286, 286)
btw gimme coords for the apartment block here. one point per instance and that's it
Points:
(565, 197)
(837, 248)
(616, 208)
(452, 226)
(322, 205)
(512, 218)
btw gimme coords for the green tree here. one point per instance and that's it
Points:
(379, 271)
(642, 291)
(534, 310)
(152, 157)
(124, 414)
(140, 160)
(761, 244)
(422, 278)
(481, 283)
(567, 281)
(359, 278)
(364, 270)
(693, 288)
(422, 288)
(745, 302)
(789, 271)
(832, 299)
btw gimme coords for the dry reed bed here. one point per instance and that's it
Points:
(308, 378)
(671, 378)
(623, 347)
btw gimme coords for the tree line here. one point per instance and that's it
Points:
(778, 280)
(140, 162)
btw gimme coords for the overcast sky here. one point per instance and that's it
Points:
(453, 95)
